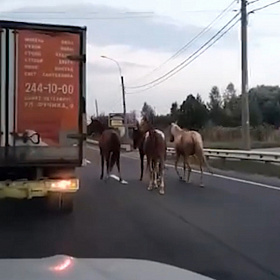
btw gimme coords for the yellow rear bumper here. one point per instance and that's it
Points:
(40, 188)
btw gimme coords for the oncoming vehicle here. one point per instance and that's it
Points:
(42, 97)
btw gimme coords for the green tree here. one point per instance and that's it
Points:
(229, 93)
(193, 113)
(231, 107)
(162, 121)
(148, 111)
(174, 110)
(215, 106)
(265, 104)
(256, 116)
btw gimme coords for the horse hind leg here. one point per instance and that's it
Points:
(176, 166)
(102, 165)
(162, 185)
(149, 165)
(207, 165)
(108, 165)
(141, 165)
(189, 170)
(155, 174)
(201, 171)
(118, 165)
(184, 168)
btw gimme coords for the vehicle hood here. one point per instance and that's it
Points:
(65, 267)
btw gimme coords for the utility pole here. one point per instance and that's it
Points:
(96, 108)
(244, 88)
(123, 97)
(124, 109)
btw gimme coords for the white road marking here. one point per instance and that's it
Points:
(118, 179)
(85, 162)
(242, 181)
(232, 179)
(216, 175)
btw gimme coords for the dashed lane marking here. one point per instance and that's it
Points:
(118, 179)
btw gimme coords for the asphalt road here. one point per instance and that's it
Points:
(228, 230)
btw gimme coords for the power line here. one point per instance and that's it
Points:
(187, 59)
(263, 7)
(85, 18)
(194, 58)
(252, 2)
(181, 50)
(203, 11)
(63, 12)
(131, 12)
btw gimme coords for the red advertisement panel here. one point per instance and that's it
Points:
(47, 99)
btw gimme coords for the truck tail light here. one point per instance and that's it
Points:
(64, 185)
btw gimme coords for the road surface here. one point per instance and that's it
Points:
(228, 230)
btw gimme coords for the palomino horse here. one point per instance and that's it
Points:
(109, 146)
(188, 143)
(154, 147)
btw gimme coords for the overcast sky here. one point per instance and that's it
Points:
(141, 44)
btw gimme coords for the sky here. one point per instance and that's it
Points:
(142, 35)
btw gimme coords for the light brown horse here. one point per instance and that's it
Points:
(154, 147)
(109, 146)
(188, 143)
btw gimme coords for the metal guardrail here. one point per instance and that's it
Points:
(125, 147)
(238, 154)
(224, 154)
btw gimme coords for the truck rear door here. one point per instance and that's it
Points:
(42, 94)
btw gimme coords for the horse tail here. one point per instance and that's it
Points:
(116, 139)
(153, 137)
(113, 159)
(114, 149)
(199, 146)
(207, 164)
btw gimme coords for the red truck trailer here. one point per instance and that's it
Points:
(42, 101)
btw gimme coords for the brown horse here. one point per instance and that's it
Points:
(154, 147)
(188, 143)
(109, 146)
(138, 138)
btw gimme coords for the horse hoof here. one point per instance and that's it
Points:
(149, 188)
(201, 185)
(161, 191)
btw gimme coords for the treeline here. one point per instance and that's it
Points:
(223, 109)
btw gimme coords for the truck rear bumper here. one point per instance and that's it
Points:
(40, 188)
